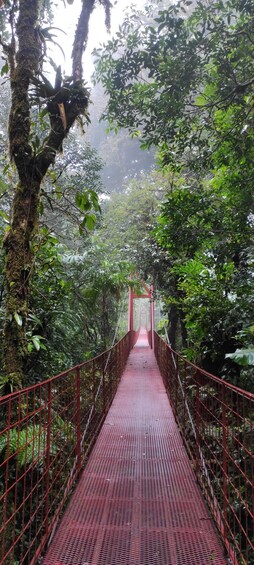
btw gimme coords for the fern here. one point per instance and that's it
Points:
(29, 445)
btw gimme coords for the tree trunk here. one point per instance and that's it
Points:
(19, 265)
(184, 333)
(69, 100)
(172, 328)
(18, 262)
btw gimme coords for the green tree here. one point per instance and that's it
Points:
(184, 83)
(128, 219)
(70, 195)
(59, 105)
(166, 80)
(207, 231)
(69, 190)
(76, 293)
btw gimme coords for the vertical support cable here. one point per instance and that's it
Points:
(152, 315)
(197, 422)
(78, 421)
(94, 388)
(130, 312)
(184, 399)
(225, 458)
(176, 387)
(47, 481)
(104, 389)
(121, 358)
(6, 479)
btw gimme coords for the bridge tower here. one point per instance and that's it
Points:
(145, 292)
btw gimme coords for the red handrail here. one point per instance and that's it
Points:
(46, 432)
(216, 420)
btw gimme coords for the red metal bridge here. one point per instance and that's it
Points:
(169, 480)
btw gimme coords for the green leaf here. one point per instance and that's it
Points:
(4, 216)
(18, 319)
(36, 339)
(90, 220)
(43, 113)
(243, 357)
(33, 318)
(6, 168)
(4, 69)
(82, 201)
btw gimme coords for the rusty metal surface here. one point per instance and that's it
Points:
(137, 502)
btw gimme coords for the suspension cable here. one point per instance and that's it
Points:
(105, 368)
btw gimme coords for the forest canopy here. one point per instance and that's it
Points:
(181, 78)
(156, 196)
(177, 78)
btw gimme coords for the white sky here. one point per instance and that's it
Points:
(66, 19)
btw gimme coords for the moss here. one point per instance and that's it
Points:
(19, 258)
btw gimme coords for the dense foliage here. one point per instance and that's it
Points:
(180, 79)
(75, 292)
(128, 219)
(183, 82)
(41, 115)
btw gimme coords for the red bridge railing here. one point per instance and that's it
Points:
(46, 432)
(216, 420)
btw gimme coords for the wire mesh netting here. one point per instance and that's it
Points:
(216, 420)
(46, 433)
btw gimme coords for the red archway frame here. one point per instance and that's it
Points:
(148, 293)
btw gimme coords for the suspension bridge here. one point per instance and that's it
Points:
(135, 457)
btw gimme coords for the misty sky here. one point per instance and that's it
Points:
(66, 19)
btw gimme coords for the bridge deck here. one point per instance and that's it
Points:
(137, 502)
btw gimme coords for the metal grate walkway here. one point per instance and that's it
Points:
(137, 502)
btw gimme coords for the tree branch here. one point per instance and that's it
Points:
(239, 88)
(27, 61)
(80, 39)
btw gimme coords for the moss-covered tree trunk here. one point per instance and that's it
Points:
(19, 265)
(18, 248)
(25, 53)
